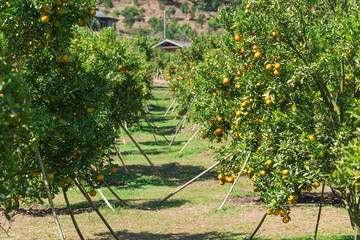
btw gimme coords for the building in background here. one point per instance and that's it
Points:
(172, 45)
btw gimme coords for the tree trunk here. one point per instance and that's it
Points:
(356, 226)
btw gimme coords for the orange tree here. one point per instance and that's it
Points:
(14, 115)
(35, 35)
(181, 69)
(79, 96)
(281, 88)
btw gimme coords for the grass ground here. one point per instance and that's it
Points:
(191, 214)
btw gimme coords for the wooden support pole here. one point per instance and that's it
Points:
(123, 163)
(161, 133)
(184, 118)
(80, 187)
(105, 200)
(72, 215)
(193, 180)
(142, 152)
(49, 192)
(112, 191)
(237, 178)
(258, 227)
(151, 129)
(190, 140)
(319, 214)
(169, 107)
(194, 127)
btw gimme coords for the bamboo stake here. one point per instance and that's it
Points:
(123, 163)
(189, 182)
(78, 184)
(72, 215)
(122, 134)
(105, 200)
(193, 180)
(184, 118)
(162, 76)
(237, 178)
(319, 214)
(112, 191)
(194, 127)
(48, 191)
(174, 107)
(169, 107)
(258, 227)
(142, 152)
(190, 140)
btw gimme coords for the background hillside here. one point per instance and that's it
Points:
(184, 17)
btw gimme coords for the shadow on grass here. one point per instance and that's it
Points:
(174, 174)
(85, 207)
(176, 236)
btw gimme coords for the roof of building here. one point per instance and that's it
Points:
(100, 14)
(168, 44)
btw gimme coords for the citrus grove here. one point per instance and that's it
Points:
(279, 89)
(65, 92)
(281, 86)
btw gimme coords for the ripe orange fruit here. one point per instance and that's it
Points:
(285, 172)
(278, 59)
(277, 212)
(317, 184)
(45, 19)
(263, 173)
(226, 81)
(100, 177)
(89, 110)
(92, 12)
(267, 97)
(66, 58)
(247, 6)
(221, 176)
(311, 138)
(256, 189)
(286, 220)
(237, 86)
(276, 73)
(41, 46)
(238, 37)
(246, 11)
(92, 193)
(268, 211)
(283, 212)
(277, 66)
(46, 8)
(269, 163)
(239, 73)
(50, 176)
(309, 189)
(268, 102)
(68, 179)
(113, 170)
(255, 47)
(275, 34)
(257, 55)
(269, 67)
(221, 182)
